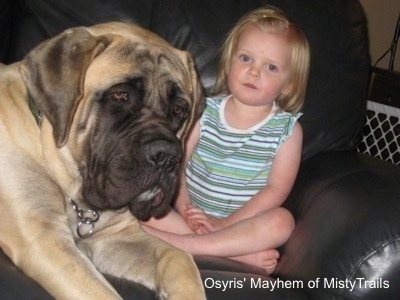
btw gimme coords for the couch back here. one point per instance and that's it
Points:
(335, 105)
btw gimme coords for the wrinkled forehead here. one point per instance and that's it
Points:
(148, 58)
(128, 60)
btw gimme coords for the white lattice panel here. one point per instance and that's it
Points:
(381, 133)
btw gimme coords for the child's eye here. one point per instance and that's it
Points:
(271, 68)
(244, 58)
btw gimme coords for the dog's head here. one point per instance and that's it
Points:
(122, 101)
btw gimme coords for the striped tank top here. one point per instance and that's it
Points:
(228, 165)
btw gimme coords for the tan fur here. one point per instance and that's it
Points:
(39, 171)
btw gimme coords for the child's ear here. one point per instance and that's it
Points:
(287, 89)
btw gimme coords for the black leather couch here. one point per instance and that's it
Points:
(346, 204)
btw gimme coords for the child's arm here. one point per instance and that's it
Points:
(176, 222)
(183, 199)
(280, 182)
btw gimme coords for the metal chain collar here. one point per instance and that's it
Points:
(87, 217)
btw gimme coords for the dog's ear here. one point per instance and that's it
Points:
(54, 74)
(193, 86)
(196, 88)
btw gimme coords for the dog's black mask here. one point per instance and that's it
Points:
(134, 155)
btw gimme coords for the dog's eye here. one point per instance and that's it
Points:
(119, 96)
(177, 110)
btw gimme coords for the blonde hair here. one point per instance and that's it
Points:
(275, 21)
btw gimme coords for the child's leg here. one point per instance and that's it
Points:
(267, 230)
(172, 222)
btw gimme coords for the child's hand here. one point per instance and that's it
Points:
(201, 222)
(195, 225)
(193, 222)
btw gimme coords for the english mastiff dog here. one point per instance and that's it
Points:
(92, 124)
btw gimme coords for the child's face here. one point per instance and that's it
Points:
(260, 67)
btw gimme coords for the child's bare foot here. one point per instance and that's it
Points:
(268, 259)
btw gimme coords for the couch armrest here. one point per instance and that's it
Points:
(347, 209)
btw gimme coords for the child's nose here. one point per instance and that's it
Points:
(254, 71)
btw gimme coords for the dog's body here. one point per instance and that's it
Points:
(92, 121)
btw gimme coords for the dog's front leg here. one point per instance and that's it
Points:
(134, 255)
(53, 260)
(74, 276)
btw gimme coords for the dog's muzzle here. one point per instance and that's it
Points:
(163, 154)
(139, 171)
(164, 158)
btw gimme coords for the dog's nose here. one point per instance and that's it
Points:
(164, 153)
